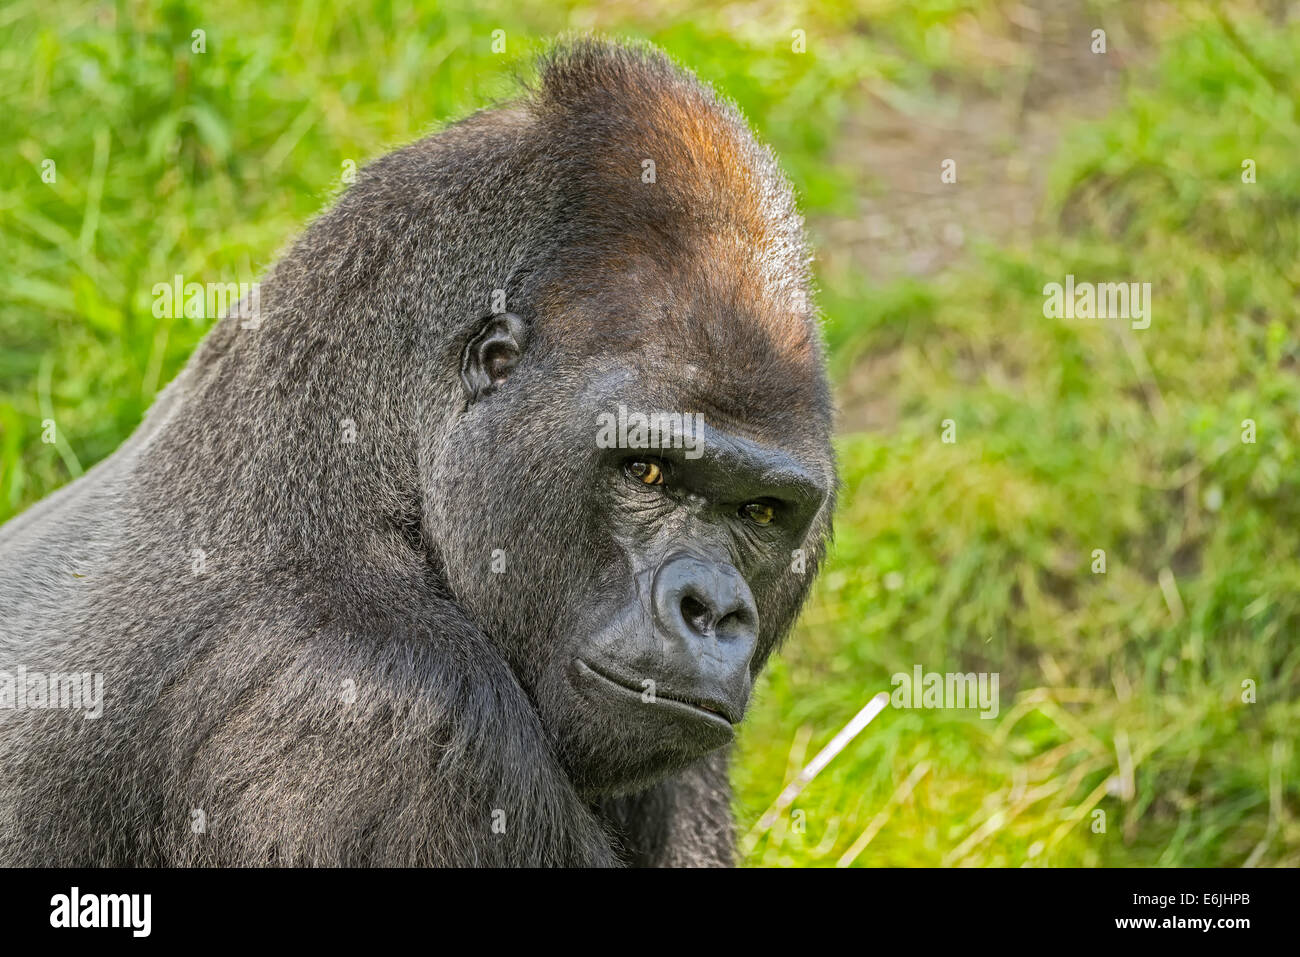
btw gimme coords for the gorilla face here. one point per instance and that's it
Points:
(671, 658)
(636, 580)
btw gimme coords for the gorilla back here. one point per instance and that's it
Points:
(468, 549)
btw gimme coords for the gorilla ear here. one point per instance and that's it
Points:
(491, 355)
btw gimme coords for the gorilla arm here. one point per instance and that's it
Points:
(412, 748)
(684, 821)
(285, 734)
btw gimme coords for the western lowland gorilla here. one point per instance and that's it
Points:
(395, 573)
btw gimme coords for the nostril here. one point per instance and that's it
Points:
(738, 622)
(697, 614)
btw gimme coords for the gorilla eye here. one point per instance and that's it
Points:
(648, 473)
(760, 513)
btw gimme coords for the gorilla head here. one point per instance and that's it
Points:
(643, 446)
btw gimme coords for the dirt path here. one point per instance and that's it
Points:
(911, 223)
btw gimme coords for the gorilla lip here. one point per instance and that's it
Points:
(714, 712)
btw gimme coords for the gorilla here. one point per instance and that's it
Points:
(372, 585)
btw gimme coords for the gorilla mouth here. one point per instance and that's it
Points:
(715, 712)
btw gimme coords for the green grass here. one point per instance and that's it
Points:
(1120, 692)
(1074, 436)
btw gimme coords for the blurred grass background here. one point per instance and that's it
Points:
(1121, 692)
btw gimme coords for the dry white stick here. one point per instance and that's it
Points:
(814, 768)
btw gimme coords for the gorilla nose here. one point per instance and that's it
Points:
(708, 618)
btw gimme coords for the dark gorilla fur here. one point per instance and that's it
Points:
(340, 679)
